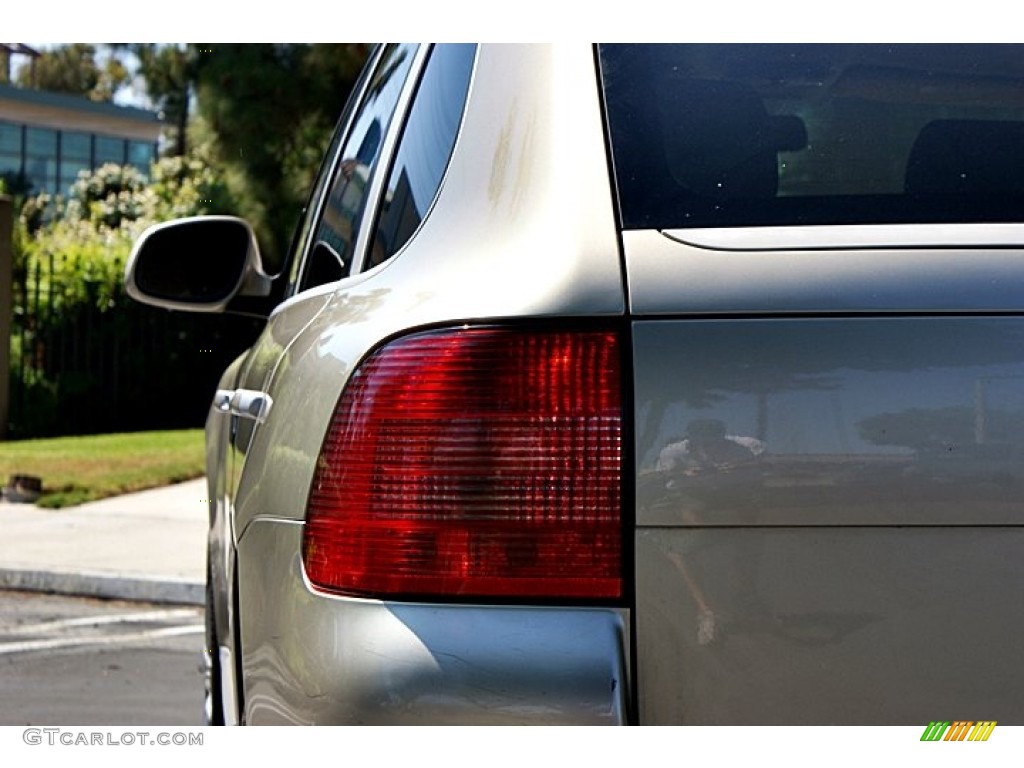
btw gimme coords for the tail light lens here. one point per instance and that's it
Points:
(477, 462)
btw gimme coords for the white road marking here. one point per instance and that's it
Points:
(117, 639)
(95, 621)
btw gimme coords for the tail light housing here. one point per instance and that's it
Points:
(475, 463)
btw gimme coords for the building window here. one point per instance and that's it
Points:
(75, 156)
(109, 150)
(51, 160)
(10, 154)
(141, 155)
(10, 138)
(41, 159)
(75, 146)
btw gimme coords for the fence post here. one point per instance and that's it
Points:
(6, 308)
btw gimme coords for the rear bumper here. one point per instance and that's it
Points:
(317, 659)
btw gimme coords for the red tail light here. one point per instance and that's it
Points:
(476, 462)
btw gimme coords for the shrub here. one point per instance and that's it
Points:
(84, 355)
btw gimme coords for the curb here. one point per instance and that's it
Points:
(104, 585)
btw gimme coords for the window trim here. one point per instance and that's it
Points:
(381, 171)
(375, 187)
(300, 251)
(394, 158)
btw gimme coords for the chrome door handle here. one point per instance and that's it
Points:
(246, 403)
(250, 404)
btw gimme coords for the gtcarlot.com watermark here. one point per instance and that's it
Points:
(70, 737)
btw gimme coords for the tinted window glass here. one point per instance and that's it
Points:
(109, 150)
(140, 154)
(41, 142)
(301, 237)
(729, 135)
(309, 213)
(10, 154)
(10, 138)
(9, 164)
(75, 146)
(330, 257)
(425, 147)
(69, 170)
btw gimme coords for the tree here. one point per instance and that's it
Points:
(113, 75)
(263, 112)
(268, 111)
(74, 69)
(169, 73)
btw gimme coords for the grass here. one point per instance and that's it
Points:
(79, 469)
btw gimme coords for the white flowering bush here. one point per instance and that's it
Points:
(75, 248)
(78, 359)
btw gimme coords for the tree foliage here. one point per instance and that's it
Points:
(262, 114)
(75, 69)
(267, 112)
(249, 127)
(82, 243)
(169, 72)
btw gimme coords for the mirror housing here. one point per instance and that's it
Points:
(196, 264)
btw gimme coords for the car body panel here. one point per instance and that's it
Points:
(220, 545)
(484, 254)
(867, 421)
(317, 658)
(870, 269)
(829, 526)
(829, 625)
(270, 356)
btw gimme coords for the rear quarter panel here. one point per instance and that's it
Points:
(862, 565)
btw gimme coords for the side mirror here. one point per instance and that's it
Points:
(197, 264)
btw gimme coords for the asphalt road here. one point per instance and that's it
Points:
(76, 661)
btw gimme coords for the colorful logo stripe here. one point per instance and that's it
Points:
(959, 730)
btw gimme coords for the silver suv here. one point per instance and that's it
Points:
(628, 384)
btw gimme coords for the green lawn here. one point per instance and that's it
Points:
(77, 469)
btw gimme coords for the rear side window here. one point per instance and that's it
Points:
(333, 242)
(755, 135)
(424, 149)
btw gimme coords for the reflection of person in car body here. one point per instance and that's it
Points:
(707, 446)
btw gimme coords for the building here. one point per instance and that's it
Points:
(47, 138)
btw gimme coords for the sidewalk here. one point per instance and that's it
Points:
(142, 546)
